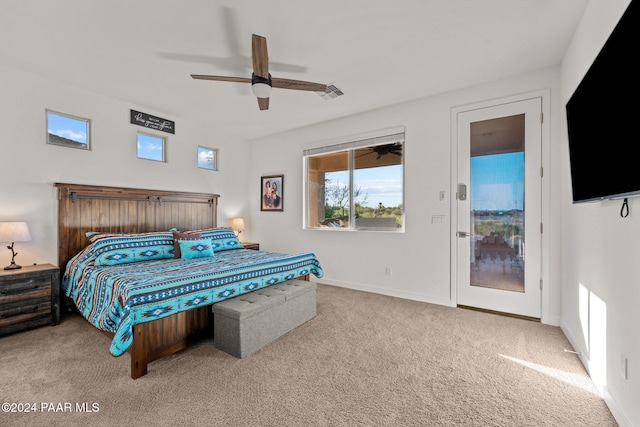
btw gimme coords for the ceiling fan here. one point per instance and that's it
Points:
(261, 81)
(383, 150)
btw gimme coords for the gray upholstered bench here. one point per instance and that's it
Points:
(244, 324)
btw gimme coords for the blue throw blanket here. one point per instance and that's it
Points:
(116, 297)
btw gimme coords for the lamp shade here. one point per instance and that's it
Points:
(237, 224)
(14, 232)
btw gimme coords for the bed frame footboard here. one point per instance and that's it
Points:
(162, 337)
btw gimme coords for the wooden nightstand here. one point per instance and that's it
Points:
(251, 245)
(29, 297)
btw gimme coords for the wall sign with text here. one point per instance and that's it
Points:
(152, 122)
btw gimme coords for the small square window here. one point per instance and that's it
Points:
(151, 147)
(68, 131)
(207, 158)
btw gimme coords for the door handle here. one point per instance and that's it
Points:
(463, 234)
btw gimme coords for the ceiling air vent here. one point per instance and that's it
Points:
(331, 92)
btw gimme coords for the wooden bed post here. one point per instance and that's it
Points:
(138, 351)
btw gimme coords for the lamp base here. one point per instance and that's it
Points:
(13, 266)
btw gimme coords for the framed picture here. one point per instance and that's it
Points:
(207, 158)
(150, 147)
(68, 131)
(271, 193)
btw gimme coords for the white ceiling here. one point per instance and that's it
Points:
(379, 52)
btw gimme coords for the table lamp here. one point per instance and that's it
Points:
(237, 224)
(14, 232)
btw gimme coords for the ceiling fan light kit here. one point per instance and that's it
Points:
(260, 86)
(261, 81)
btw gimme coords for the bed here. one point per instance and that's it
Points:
(118, 253)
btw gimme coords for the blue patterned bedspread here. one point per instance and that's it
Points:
(116, 297)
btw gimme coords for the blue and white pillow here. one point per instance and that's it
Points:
(222, 239)
(200, 248)
(113, 249)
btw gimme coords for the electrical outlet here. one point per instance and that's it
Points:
(387, 271)
(437, 219)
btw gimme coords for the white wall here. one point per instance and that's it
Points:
(419, 258)
(600, 291)
(591, 252)
(29, 166)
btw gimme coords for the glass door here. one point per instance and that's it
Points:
(498, 208)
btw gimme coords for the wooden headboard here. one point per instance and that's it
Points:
(83, 208)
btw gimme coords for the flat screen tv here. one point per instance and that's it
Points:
(603, 118)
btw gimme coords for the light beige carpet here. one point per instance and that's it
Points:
(365, 360)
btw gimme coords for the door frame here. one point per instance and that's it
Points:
(545, 212)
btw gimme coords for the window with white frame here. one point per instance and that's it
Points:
(356, 185)
(151, 147)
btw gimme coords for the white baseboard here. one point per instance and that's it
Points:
(388, 292)
(550, 320)
(617, 412)
(582, 354)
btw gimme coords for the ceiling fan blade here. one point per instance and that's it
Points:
(261, 76)
(263, 103)
(221, 78)
(297, 85)
(260, 56)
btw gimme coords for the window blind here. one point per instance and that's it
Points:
(367, 142)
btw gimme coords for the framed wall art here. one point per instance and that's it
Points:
(207, 158)
(68, 131)
(272, 193)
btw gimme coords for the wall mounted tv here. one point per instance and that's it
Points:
(603, 118)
